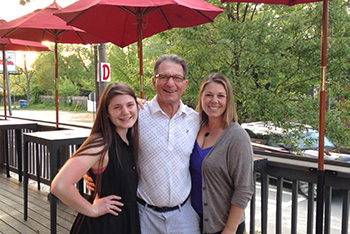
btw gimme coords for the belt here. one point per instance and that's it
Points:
(163, 208)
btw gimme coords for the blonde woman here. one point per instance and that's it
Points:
(221, 162)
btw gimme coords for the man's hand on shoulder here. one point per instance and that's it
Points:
(140, 102)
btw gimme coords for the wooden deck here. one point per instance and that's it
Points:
(11, 210)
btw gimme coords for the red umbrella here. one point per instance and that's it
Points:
(19, 45)
(321, 171)
(42, 25)
(124, 22)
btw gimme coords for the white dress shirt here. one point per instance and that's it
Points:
(164, 154)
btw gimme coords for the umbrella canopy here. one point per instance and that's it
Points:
(22, 45)
(124, 22)
(19, 45)
(42, 25)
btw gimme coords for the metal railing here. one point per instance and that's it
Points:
(273, 165)
(295, 170)
(38, 155)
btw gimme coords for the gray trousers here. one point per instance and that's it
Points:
(184, 220)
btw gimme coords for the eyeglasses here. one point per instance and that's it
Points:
(165, 78)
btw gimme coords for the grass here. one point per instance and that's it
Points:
(50, 106)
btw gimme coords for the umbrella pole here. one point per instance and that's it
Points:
(321, 172)
(4, 78)
(56, 82)
(139, 50)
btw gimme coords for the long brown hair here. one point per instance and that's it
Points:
(230, 114)
(103, 131)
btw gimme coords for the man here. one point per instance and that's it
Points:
(168, 130)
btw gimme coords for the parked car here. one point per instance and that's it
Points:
(303, 143)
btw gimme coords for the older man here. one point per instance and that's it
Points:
(168, 130)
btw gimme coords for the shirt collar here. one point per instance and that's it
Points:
(154, 107)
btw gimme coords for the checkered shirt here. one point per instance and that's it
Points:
(164, 155)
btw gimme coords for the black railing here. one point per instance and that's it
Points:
(273, 171)
(38, 155)
(295, 170)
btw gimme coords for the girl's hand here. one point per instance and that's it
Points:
(105, 205)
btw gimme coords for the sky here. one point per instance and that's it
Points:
(11, 9)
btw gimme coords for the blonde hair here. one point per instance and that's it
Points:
(230, 114)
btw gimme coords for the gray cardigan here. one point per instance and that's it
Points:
(227, 177)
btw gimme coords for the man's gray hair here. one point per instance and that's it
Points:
(172, 58)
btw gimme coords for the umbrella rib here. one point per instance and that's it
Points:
(204, 15)
(127, 10)
(150, 9)
(8, 33)
(164, 17)
(61, 32)
(47, 31)
(28, 48)
(81, 39)
(76, 17)
(43, 38)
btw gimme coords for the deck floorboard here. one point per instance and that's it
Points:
(12, 211)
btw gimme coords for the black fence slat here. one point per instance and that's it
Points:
(295, 189)
(327, 210)
(310, 208)
(279, 205)
(252, 208)
(345, 212)
(264, 199)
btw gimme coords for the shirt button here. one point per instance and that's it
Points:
(133, 168)
(206, 220)
(204, 188)
(205, 204)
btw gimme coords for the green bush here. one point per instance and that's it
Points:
(35, 92)
(45, 105)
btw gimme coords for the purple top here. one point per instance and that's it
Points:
(196, 160)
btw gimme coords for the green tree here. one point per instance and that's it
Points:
(271, 54)
(18, 83)
(44, 77)
(67, 88)
(75, 63)
(125, 64)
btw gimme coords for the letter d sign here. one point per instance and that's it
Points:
(105, 72)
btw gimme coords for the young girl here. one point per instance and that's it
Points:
(109, 154)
